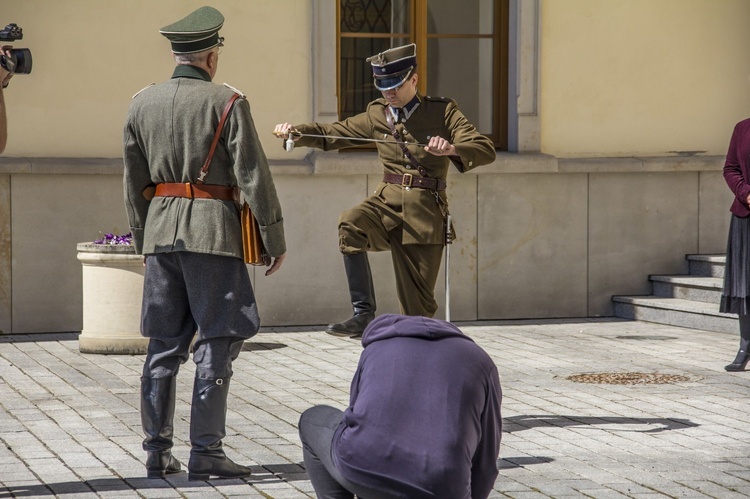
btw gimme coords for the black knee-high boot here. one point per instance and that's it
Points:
(743, 356)
(208, 417)
(157, 414)
(362, 293)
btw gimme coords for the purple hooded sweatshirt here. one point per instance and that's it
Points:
(424, 413)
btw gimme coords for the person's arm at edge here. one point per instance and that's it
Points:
(3, 123)
(732, 170)
(5, 77)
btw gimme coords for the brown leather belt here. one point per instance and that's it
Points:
(409, 180)
(202, 191)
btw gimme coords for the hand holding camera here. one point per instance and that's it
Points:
(13, 61)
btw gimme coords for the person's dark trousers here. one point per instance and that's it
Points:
(316, 428)
(207, 428)
(743, 355)
(362, 294)
(157, 416)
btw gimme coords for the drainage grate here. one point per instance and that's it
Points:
(627, 378)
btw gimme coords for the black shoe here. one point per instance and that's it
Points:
(161, 464)
(203, 467)
(739, 362)
(353, 327)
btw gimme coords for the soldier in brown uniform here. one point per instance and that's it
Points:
(189, 230)
(406, 214)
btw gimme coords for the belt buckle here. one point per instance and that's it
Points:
(406, 180)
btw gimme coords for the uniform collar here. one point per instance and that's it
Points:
(187, 71)
(406, 111)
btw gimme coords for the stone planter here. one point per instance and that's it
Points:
(112, 293)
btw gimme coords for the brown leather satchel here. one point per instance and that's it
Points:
(252, 244)
(253, 249)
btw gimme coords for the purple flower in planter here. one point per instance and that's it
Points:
(111, 239)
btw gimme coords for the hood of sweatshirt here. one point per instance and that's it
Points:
(393, 325)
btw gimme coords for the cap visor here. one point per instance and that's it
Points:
(384, 84)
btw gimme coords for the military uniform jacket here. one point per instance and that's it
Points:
(417, 209)
(167, 136)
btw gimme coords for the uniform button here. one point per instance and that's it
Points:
(471, 163)
(408, 167)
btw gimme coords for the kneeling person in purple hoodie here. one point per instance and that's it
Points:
(423, 419)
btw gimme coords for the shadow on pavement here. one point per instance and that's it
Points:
(39, 337)
(254, 346)
(521, 461)
(655, 425)
(267, 474)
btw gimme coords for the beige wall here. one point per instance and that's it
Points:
(540, 235)
(617, 78)
(91, 56)
(643, 77)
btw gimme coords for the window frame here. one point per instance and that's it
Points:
(418, 33)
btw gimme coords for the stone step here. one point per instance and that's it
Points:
(707, 265)
(675, 312)
(688, 287)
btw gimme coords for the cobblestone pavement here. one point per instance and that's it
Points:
(70, 424)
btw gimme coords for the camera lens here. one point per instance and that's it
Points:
(19, 61)
(23, 60)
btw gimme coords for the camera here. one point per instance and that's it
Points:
(19, 60)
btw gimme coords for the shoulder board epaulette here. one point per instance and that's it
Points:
(230, 87)
(141, 90)
(437, 99)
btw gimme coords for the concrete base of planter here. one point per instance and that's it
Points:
(112, 294)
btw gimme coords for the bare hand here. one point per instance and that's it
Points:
(5, 75)
(438, 146)
(747, 201)
(277, 261)
(283, 130)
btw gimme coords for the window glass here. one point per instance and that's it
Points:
(374, 16)
(367, 27)
(460, 17)
(457, 68)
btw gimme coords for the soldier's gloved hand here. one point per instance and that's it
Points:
(438, 146)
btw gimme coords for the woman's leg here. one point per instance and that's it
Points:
(743, 355)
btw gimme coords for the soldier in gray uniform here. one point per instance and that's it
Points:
(407, 212)
(189, 232)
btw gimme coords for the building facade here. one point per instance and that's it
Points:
(611, 120)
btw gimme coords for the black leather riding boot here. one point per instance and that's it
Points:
(157, 414)
(362, 294)
(743, 355)
(208, 417)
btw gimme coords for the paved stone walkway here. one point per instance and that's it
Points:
(70, 424)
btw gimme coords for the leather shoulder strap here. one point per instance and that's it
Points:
(407, 153)
(217, 135)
